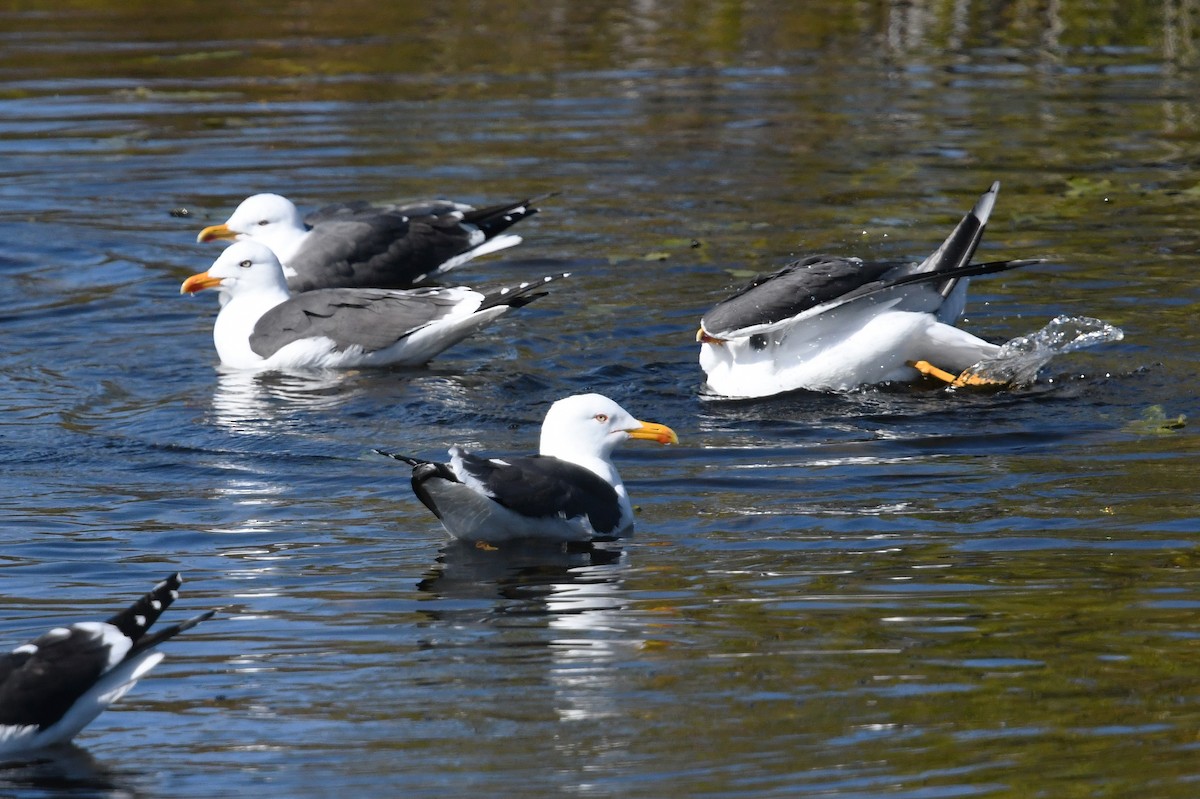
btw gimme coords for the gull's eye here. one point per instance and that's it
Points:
(601, 417)
(264, 221)
(245, 264)
(758, 341)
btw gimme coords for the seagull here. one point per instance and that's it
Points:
(261, 325)
(55, 685)
(359, 245)
(828, 323)
(569, 491)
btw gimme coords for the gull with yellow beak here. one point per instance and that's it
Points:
(357, 244)
(569, 491)
(261, 325)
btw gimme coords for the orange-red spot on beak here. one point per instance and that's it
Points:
(649, 431)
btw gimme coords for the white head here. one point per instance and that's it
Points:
(588, 426)
(270, 219)
(245, 267)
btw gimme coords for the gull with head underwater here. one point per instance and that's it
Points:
(828, 323)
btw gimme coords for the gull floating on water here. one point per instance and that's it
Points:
(828, 323)
(359, 245)
(261, 325)
(55, 685)
(569, 491)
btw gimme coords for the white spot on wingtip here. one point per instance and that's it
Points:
(139, 620)
(25, 649)
(154, 603)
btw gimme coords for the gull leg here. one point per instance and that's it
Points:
(967, 378)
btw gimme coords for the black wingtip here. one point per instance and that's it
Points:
(170, 632)
(968, 270)
(495, 219)
(134, 621)
(397, 456)
(519, 295)
(533, 201)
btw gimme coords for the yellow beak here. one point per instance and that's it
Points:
(215, 232)
(199, 282)
(649, 431)
(704, 338)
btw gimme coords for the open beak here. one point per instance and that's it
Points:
(704, 338)
(215, 232)
(199, 282)
(649, 431)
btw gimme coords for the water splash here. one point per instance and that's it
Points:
(1018, 361)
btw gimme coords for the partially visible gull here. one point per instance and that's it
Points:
(359, 245)
(569, 491)
(827, 323)
(261, 325)
(55, 685)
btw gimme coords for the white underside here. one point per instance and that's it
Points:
(838, 351)
(108, 689)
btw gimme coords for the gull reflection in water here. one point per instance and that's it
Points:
(65, 771)
(576, 589)
(253, 403)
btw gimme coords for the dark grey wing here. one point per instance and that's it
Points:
(362, 245)
(355, 245)
(448, 230)
(38, 686)
(373, 319)
(541, 486)
(823, 280)
(797, 287)
(894, 278)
